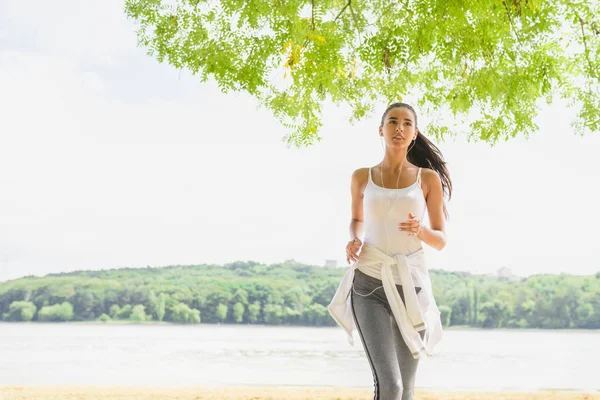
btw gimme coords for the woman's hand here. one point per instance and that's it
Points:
(412, 226)
(352, 250)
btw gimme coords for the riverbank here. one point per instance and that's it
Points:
(259, 393)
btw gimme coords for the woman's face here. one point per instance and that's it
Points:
(398, 128)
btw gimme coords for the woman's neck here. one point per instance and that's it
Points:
(395, 161)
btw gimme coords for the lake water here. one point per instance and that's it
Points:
(236, 355)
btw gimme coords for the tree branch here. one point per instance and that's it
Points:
(593, 27)
(355, 21)
(346, 6)
(587, 55)
(512, 25)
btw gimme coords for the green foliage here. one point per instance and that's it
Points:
(273, 314)
(316, 314)
(20, 311)
(153, 304)
(221, 312)
(493, 313)
(254, 312)
(238, 312)
(104, 318)
(138, 314)
(160, 308)
(492, 61)
(56, 312)
(183, 314)
(114, 311)
(83, 304)
(288, 294)
(125, 312)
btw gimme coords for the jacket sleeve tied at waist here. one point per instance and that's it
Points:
(413, 316)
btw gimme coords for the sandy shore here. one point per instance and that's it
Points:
(254, 393)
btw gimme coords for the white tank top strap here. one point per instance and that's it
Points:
(419, 176)
(370, 178)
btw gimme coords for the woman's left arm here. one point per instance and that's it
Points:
(434, 234)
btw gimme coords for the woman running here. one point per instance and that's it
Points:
(386, 293)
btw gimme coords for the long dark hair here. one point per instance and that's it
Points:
(426, 155)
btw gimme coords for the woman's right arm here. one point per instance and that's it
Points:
(357, 189)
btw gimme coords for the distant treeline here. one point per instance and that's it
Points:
(288, 294)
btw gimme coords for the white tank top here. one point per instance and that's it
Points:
(384, 209)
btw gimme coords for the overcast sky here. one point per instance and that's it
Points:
(109, 159)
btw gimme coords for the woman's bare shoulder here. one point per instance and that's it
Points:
(360, 175)
(430, 181)
(360, 178)
(430, 176)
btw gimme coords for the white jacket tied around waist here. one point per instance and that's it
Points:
(420, 312)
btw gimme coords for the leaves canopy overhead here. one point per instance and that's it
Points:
(478, 66)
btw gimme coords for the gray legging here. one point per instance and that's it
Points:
(392, 363)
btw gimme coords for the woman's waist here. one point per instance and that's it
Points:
(365, 278)
(374, 271)
(372, 259)
(396, 243)
(406, 247)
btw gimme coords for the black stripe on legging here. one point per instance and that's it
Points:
(376, 397)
